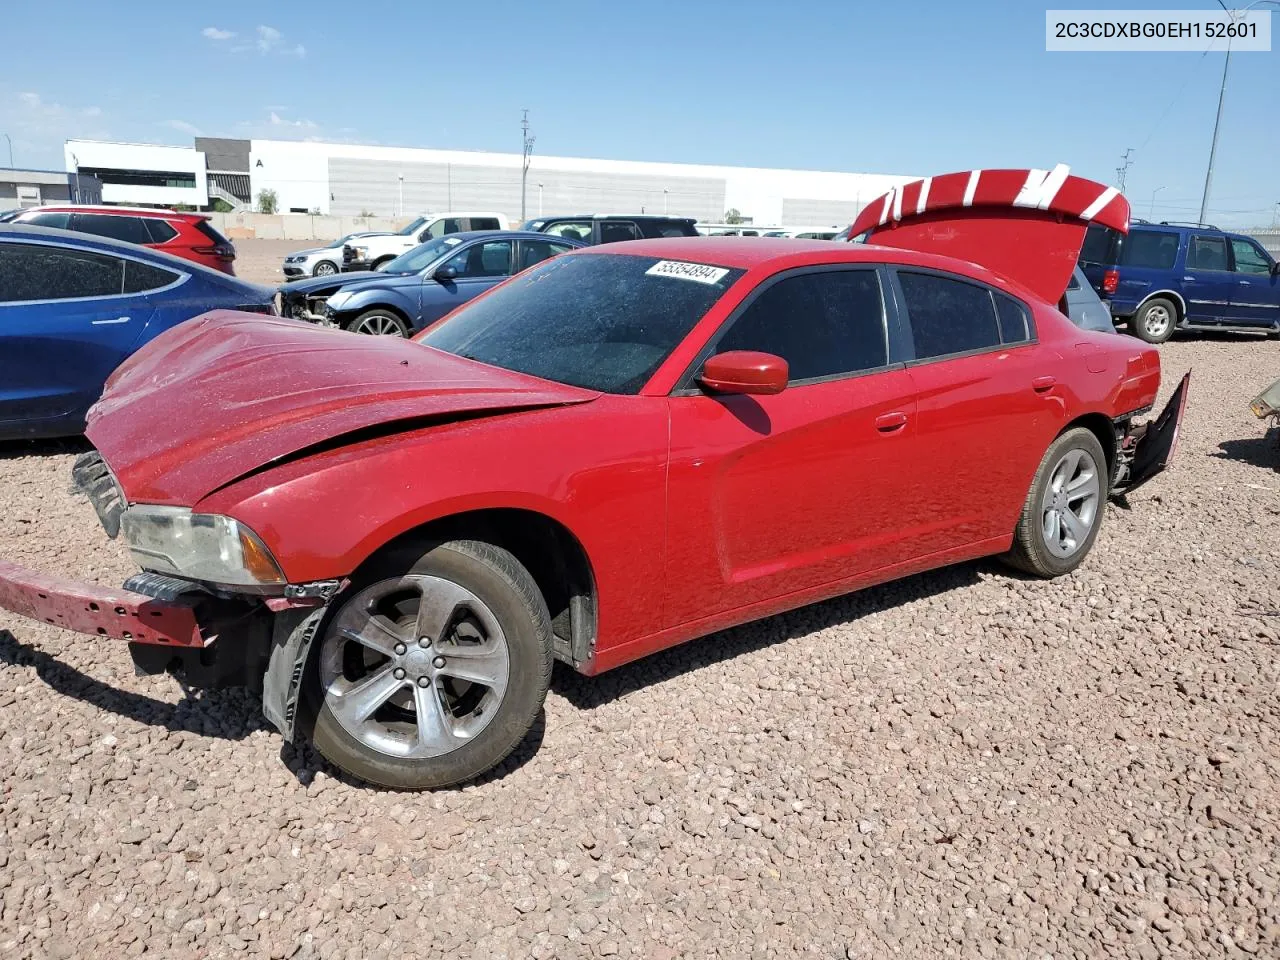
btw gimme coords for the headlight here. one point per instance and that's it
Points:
(198, 546)
(361, 252)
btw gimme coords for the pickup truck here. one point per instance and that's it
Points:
(371, 252)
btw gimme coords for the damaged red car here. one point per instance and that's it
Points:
(621, 449)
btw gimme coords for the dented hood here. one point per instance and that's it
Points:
(227, 393)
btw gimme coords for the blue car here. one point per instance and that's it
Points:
(1166, 276)
(420, 286)
(74, 306)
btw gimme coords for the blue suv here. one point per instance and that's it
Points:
(1167, 276)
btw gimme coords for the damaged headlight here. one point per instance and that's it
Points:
(198, 546)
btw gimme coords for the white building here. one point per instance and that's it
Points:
(349, 180)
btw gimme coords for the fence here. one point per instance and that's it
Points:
(1269, 239)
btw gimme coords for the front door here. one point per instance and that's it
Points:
(769, 495)
(1257, 287)
(476, 268)
(1207, 280)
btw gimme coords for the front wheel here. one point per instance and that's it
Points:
(379, 323)
(324, 268)
(431, 670)
(1154, 321)
(1063, 510)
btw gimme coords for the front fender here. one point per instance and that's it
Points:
(368, 299)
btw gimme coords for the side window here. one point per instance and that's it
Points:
(1074, 282)
(492, 259)
(535, 251)
(484, 223)
(160, 230)
(440, 227)
(573, 229)
(37, 272)
(615, 231)
(1156, 249)
(948, 316)
(1250, 258)
(1207, 253)
(823, 324)
(1015, 327)
(129, 229)
(58, 220)
(1098, 245)
(140, 277)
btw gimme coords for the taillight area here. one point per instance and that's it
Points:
(1110, 281)
(221, 251)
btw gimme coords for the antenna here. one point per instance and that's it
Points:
(527, 147)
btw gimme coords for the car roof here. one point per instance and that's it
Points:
(613, 216)
(504, 235)
(118, 211)
(90, 241)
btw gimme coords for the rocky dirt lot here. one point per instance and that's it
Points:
(963, 764)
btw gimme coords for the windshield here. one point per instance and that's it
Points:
(412, 228)
(420, 256)
(599, 321)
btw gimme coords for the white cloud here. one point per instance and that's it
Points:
(299, 51)
(183, 127)
(38, 126)
(268, 37)
(279, 121)
(213, 33)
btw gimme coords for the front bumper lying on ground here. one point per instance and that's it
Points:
(98, 611)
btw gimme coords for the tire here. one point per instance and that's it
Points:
(379, 264)
(379, 322)
(1046, 547)
(491, 597)
(324, 268)
(1155, 320)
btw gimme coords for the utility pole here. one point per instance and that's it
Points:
(1122, 171)
(528, 152)
(6, 136)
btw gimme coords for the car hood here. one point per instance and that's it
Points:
(307, 253)
(228, 393)
(332, 282)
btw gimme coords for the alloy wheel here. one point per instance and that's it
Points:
(1069, 508)
(1156, 321)
(379, 325)
(414, 667)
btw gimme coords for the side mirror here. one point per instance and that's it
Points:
(445, 273)
(1275, 269)
(745, 371)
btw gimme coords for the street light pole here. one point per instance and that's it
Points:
(401, 194)
(1151, 214)
(539, 198)
(665, 191)
(6, 136)
(527, 146)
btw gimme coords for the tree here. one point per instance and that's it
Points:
(267, 201)
(733, 216)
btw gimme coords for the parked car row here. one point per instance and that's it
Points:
(621, 448)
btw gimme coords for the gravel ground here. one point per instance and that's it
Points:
(961, 764)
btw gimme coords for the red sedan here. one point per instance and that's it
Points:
(619, 450)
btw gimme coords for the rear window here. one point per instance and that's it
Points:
(210, 231)
(1153, 249)
(1099, 245)
(160, 230)
(596, 321)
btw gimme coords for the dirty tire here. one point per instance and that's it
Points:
(1031, 550)
(504, 587)
(1154, 321)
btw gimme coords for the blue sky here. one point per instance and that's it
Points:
(887, 87)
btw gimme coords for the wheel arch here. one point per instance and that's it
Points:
(1102, 427)
(550, 551)
(1178, 302)
(377, 303)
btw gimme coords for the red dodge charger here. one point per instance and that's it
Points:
(618, 450)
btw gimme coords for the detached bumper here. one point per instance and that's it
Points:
(98, 611)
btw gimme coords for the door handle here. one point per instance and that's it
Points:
(1043, 384)
(891, 422)
(99, 323)
(1243, 283)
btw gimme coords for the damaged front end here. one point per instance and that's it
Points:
(1145, 449)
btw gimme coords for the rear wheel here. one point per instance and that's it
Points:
(1063, 510)
(432, 669)
(1154, 321)
(379, 322)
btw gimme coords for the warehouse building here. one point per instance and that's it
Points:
(350, 180)
(31, 188)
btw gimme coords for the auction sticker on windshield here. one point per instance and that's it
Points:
(697, 272)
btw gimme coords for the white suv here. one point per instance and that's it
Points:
(371, 252)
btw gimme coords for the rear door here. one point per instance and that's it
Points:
(535, 251)
(1148, 262)
(986, 406)
(67, 319)
(478, 266)
(1207, 280)
(1257, 288)
(616, 231)
(115, 226)
(770, 495)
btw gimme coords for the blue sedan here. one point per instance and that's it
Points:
(73, 307)
(422, 285)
